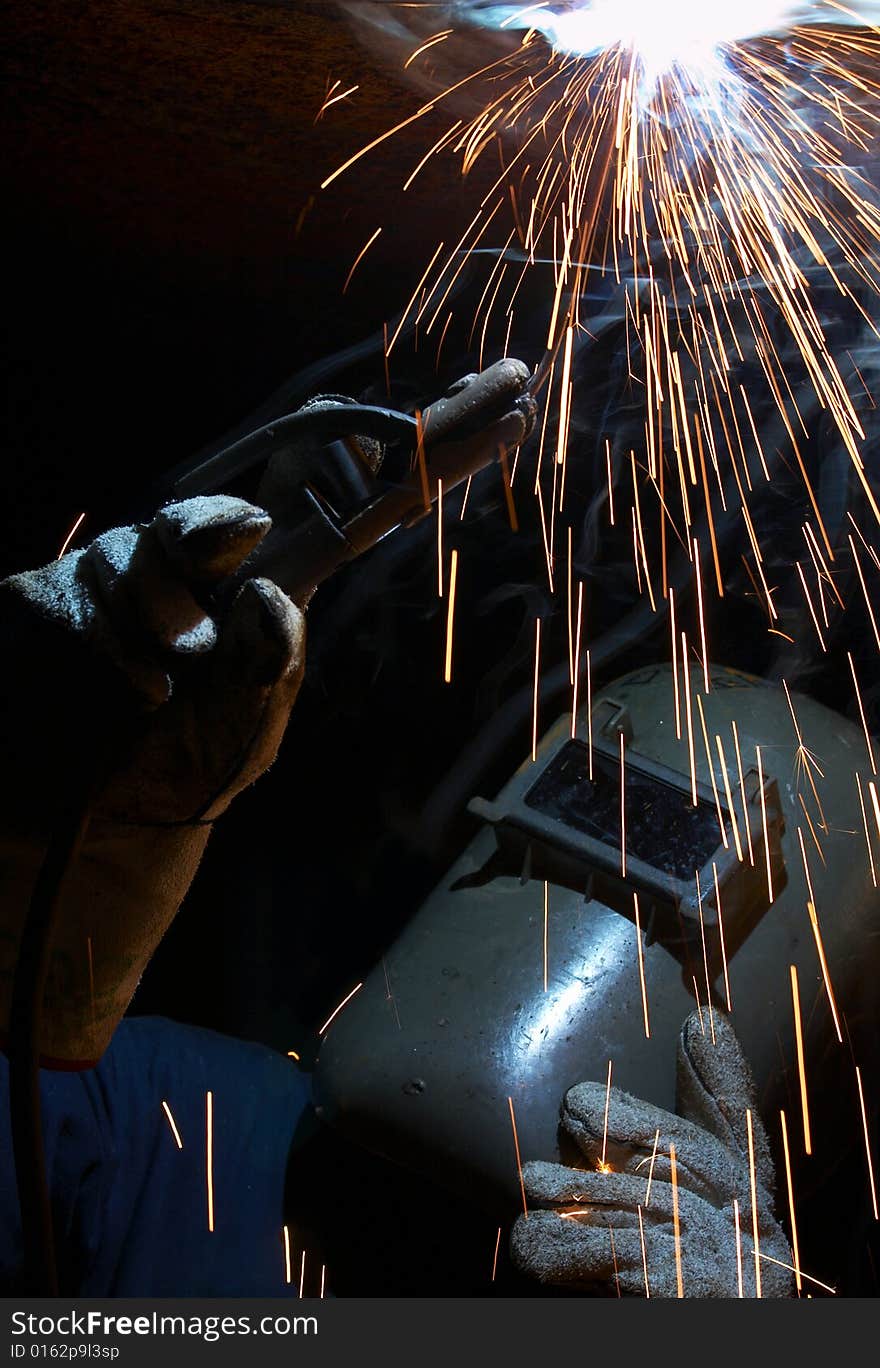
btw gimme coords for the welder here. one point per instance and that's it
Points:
(120, 683)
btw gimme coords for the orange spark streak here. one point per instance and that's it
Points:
(820, 950)
(614, 1260)
(426, 109)
(702, 618)
(791, 1214)
(644, 1253)
(721, 826)
(302, 1274)
(522, 1185)
(867, 832)
(209, 1153)
(336, 1010)
(802, 1072)
(622, 806)
(679, 1280)
(577, 657)
(70, 536)
(546, 928)
(867, 1144)
(686, 680)
(605, 1123)
(450, 617)
(642, 967)
(753, 1182)
(590, 715)
(439, 538)
(323, 1276)
(764, 822)
(739, 1252)
(495, 1257)
(537, 680)
(868, 742)
(173, 1125)
(431, 42)
(651, 1168)
(674, 662)
(705, 959)
(287, 1273)
(359, 258)
(721, 936)
(729, 796)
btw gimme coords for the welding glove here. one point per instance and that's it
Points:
(583, 1227)
(118, 685)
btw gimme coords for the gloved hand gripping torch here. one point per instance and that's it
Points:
(177, 660)
(334, 496)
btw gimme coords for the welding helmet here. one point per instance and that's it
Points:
(519, 976)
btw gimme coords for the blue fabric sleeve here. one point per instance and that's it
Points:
(130, 1207)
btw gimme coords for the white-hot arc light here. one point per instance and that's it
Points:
(690, 35)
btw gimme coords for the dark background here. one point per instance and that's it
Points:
(170, 260)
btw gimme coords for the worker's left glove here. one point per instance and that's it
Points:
(121, 687)
(610, 1227)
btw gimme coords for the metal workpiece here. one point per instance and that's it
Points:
(458, 1024)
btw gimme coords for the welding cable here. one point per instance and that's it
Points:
(318, 424)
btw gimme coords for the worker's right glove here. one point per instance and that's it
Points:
(615, 1226)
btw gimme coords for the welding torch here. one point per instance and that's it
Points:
(341, 476)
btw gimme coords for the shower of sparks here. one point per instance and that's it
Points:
(715, 185)
(697, 156)
(172, 1123)
(867, 1144)
(336, 1010)
(802, 1070)
(791, 1213)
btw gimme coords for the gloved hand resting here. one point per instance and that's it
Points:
(113, 669)
(582, 1230)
